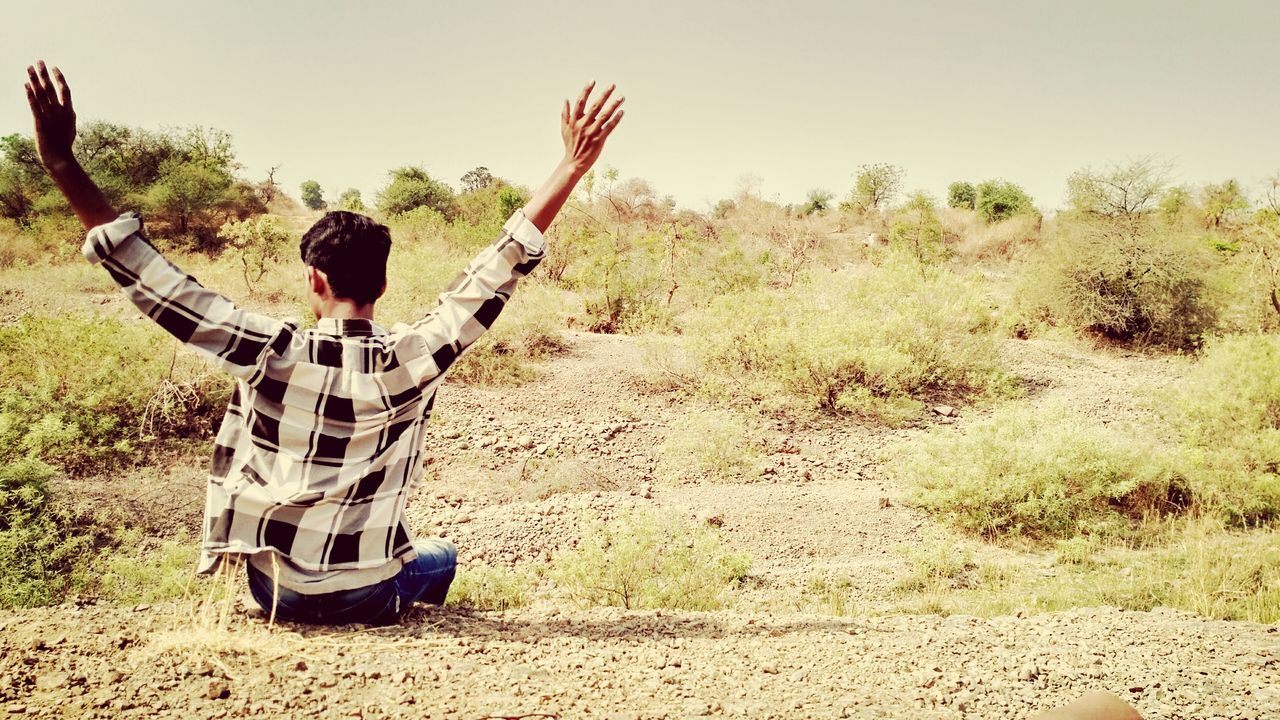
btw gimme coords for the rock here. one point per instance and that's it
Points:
(141, 608)
(53, 680)
(525, 442)
(885, 502)
(452, 434)
(217, 690)
(944, 410)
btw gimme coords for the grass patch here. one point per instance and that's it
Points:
(1043, 474)
(486, 587)
(1228, 575)
(646, 560)
(874, 343)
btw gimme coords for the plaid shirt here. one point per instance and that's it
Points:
(322, 441)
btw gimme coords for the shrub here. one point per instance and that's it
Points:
(84, 390)
(1141, 287)
(413, 187)
(643, 560)
(257, 244)
(1000, 200)
(485, 587)
(44, 546)
(1228, 411)
(962, 194)
(1043, 473)
(871, 342)
(419, 225)
(708, 445)
(312, 195)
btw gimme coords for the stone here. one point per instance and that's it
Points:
(944, 410)
(217, 689)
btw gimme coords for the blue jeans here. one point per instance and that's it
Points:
(426, 578)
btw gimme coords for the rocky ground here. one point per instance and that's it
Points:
(510, 473)
(171, 661)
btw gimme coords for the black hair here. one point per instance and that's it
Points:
(352, 251)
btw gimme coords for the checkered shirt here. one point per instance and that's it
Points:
(322, 440)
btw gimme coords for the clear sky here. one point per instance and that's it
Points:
(797, 93)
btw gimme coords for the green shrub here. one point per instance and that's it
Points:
(45, 547)
(1043, 473)
(485, 587)
(871, 342)
(1000, 200)
(1142, 287)
(257, 245)
(709, 445)
(643, 560)
(1228, 410)
(80, 391)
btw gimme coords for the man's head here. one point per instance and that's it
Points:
(346, 258)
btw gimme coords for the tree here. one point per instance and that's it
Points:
(876, 185)
(1221, 201)
(350, 200)
(1120, 192)
(819, 200)
(186, 191)
(412, 187)
(962, 194)
(477, 179)
(917, 230)
(999, 200)
(257, 243)
(313, 196)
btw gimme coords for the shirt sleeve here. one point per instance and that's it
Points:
(470, 304)
(235, 340)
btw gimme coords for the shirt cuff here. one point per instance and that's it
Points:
(104, 239)
(523, 230)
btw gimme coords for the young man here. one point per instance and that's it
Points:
(321, 444)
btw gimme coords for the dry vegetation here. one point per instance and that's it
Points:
(860, 316)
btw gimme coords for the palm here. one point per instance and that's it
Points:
(585, 128)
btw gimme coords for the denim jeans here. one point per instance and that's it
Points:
(426, 578)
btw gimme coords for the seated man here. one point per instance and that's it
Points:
(321, 444)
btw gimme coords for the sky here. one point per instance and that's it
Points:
(797, 94)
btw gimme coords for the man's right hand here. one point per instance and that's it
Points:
(585, 129)
(54, 117)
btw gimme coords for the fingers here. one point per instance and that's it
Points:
(582, 100)
(603, 117)
(33, 101)
(599, 103)
(64, 90)
(33, 82)
(610, 124)
(564, 114)
(46, 81)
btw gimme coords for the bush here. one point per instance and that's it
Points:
(419, 225)
(413, 187)
(1228, 411)
(873, 343)
(1000, 200)
(1141, 287)
(81, 391)
(642, 560)
(1043, 473)
(44, 546)
(709, 445)
(485, 587)
(257, 244)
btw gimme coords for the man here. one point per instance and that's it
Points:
(321, 444)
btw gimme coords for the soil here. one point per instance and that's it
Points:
(819, 503)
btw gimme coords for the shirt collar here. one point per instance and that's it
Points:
(345, 327)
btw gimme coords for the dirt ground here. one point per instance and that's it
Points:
(820, 503)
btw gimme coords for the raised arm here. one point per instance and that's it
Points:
(471, 303)
(235, 340)
(584, 130)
